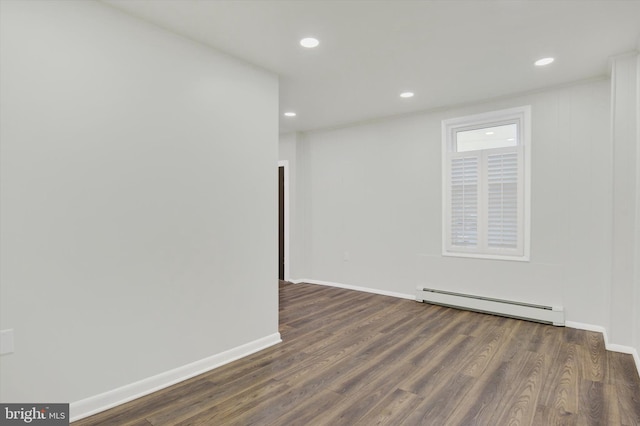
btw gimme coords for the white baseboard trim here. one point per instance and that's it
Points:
(609, 346)
(95, 404)
(588, 327)
(357, 288)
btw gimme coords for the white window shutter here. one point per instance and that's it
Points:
(503, 201)
(464, 189)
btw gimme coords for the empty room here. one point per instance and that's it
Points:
(452, 238)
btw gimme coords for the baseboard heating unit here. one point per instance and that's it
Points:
(507, 308)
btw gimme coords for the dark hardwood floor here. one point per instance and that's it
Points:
(352, 358)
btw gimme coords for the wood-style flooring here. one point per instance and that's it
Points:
(353, 358)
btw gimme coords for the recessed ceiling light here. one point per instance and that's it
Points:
(544, 61)
(290, 114)
(309, 42)
(406, 95)
(511, 139)
(489, 133)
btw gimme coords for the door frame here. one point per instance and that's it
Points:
(287, 257)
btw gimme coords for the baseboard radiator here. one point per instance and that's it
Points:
(507, 308)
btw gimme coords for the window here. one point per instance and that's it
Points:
(486, 188)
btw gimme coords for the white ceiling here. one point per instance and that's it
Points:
(447, 52)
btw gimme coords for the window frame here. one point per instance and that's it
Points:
(450, 127)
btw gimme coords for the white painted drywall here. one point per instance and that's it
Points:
(287, 148)
(636, 308)
(626, 257)
(287, 152)
(292, 148)
(139, 209)
(375, 193)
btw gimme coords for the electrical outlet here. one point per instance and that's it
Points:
(6, 342)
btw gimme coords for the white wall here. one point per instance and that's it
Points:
(287, 152)
(292, 148)
(625, 89)
(636, 308)
(374, 192)
(139, 208)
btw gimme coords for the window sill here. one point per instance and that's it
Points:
(524, 258)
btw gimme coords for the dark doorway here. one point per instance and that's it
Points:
(281, 222)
